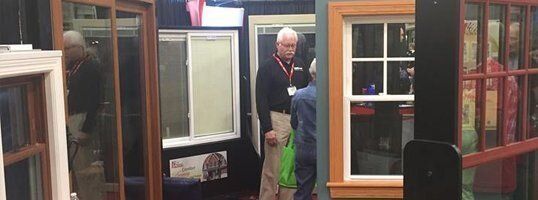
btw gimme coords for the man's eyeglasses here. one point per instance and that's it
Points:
(292, 45)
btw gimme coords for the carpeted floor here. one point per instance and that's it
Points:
(244, 195)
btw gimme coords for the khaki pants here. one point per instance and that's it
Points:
(271, 165)
(89, 175)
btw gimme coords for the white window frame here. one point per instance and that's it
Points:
(191, 140)
(348, 84)
(49, 64)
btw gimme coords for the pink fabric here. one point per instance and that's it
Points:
(195, 9)
(500, 176)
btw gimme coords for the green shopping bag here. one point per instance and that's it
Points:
(287, 164)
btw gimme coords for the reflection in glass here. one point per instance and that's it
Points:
(496, 33)
(508, 178)
(534, 38)
(517, 33)
(130, 66)
(367, 40)
(367, 78)
(210, 82)
(532, 127)
(23, 179)
(401, 40)
(400, 77)
(494, 91)
(14, 118)
(379, 131)
(470, 116)
(173, 87)
(472, 55)
(513, 107)
(91, 108)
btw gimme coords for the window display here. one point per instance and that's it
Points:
(199, 90)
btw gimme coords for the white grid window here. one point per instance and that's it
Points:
(378, 95)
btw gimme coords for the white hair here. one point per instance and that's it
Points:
(286, 31)
(312, 69)
(75, 38)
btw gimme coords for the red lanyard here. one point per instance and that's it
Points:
(289, 74)
(76, 68)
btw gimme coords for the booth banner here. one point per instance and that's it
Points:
(204, 167)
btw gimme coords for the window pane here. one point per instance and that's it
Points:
(24, 179)
(517, 33)
(131, 67)
(91, 100)
(496, 33)
(367, 40)
(534, 37)
(400, 77)
(472, 54)
(212, 85)
(379, 132)
(470, 116)
(14, 118)
(494, 91)
(507, 178)
(532, 127)
(513, 108)
(173, 88)
(401, 40)
(367, 78)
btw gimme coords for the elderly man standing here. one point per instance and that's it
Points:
(277, 81)
(303, 121)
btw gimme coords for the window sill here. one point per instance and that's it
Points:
(186, 141)
(371, 189)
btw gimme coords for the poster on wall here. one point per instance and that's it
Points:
(205, 167)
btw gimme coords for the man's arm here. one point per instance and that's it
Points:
(293, 112)
(262, 103)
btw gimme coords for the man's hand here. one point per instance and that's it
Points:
(270, 138)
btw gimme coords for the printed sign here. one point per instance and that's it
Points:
(205, 167)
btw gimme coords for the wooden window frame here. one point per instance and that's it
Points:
(152, 134)
(505, 149)
(338, 186)
(41, 73)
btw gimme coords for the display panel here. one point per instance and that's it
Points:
(14, 118)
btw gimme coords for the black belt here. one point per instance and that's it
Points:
(282, 111)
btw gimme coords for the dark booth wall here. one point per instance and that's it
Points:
(243, 163)
(33, 26)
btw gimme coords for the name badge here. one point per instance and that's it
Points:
(298, 69)
(292, 90)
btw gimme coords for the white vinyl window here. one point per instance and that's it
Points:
(378, 95)
(199, 86)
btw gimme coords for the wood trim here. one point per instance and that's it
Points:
(497, 153)
(367, 189)
(23, 153)
(336, 13)
(102, 3)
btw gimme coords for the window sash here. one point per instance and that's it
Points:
(192, 139)
(348, 84)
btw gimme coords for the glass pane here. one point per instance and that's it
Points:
(496, 33)
(401, 40)
(367, 78)
(507, 178)
(379, 132)
(367, 40)
(532, 127)
(513, 108)
(472, 54)
(130, 63)
(306, 42)
(91, 102)
(14, 118)
(173, 88)
(212, 79)
(24, 179)
(517, 33)
(470, 116)
(494, 91)
(534, 37)
(400, 77)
